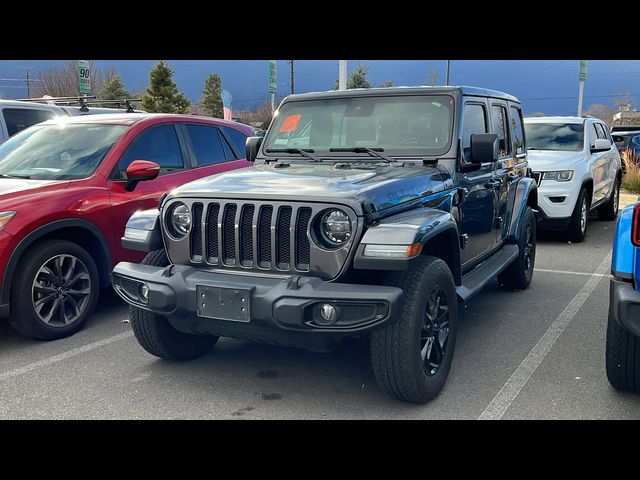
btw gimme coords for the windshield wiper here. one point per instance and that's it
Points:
(374, 152)
(8, 175)
(307, 152)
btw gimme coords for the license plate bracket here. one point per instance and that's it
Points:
(224, 303)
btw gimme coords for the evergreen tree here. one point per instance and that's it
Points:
(359, 78)
(212, 96)
(162, 94)
(113, 89)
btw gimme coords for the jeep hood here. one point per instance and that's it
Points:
(545, 160)
(372, 189)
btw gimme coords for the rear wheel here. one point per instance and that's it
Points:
(55, 290)
(518, 275)
(411, 357)
(577, 230)
(609, 210)
(622, 357)
(156, 335)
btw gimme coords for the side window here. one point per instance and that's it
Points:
(593, 134)
(600, 131)
(499, 121)
(157, 144)
(206, 144)
(18, 119)
(238, 138)
(635, 141)
(228, 152)
(473, 121)
(517, 131)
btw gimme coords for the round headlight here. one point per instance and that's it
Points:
(180, 218)
(335, 227)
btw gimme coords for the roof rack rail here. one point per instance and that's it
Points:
(84, 101)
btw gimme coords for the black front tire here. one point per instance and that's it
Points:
(579, 222)
(23, 316)
(622, 357)
(518, 275)
(156, 335)
(396, 350)
(609, 210)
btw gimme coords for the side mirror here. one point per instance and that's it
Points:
(139, 171)
(600, 145)
(253, 145)
(484, 147)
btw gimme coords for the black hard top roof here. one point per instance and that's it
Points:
(390, 91)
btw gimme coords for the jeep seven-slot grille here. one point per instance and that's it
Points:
(196, 236)
(256, 236)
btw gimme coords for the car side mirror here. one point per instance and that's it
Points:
(484, 147)
(600, 145)
(253, 145)
(140, 171)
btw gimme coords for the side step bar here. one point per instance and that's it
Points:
(480, 276)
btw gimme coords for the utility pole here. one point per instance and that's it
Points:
(28, 83)
(291, 68)
(582, 76)
(448, 72)
(342, 74)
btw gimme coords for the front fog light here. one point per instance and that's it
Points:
(144, 292)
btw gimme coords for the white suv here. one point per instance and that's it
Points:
(577, 168)
(16, 116)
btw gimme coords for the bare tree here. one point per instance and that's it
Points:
(62, 80)
(624, 99)
(601, 111)
(432, 76)
(263, 114)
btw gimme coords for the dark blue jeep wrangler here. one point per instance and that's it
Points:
(623, 329)
(367, 212)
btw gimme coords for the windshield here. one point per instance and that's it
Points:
(58, 151)
(406, 125)
(555, 136)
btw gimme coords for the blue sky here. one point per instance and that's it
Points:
(550, 86)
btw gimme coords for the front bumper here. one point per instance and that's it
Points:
(549, 194)
(289, 304)
(625, 305)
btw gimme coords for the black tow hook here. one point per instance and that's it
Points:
(294, 282)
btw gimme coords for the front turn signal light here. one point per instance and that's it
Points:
(5, 217)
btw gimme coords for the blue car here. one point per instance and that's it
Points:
(623, 329)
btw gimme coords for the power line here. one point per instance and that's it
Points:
(575, 96)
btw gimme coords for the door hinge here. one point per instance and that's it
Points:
(464, 238)
(498, 223)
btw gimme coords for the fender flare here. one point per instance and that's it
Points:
(415, 226)
(525, 187)
(40, 232)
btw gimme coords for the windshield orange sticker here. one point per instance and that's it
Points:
(290, 123)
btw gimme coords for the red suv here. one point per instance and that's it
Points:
(68, 187)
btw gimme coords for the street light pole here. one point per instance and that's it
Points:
(291, 65)
(342, 74)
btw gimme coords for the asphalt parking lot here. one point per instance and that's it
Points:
(536, 354)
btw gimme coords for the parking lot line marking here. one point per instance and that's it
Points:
(65, 355)
(569, 272)
(510, 390)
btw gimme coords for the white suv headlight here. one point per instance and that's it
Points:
(558, 176)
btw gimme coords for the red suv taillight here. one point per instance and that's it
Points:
(635, 230)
